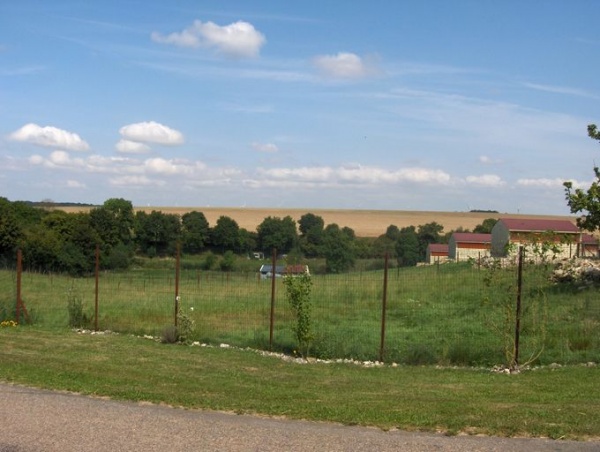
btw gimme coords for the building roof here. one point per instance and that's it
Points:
(539, 225)
(438, 248)
(283, 269)
(470, 237)
(589, 239)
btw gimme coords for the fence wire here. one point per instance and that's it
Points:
(449, 314)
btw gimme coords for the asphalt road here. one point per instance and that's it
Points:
(46, 421)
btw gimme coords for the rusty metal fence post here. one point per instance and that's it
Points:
(97, 282)
(383, 308)
(177, 268)
(518, 309)
(20, 306)
(272, 316)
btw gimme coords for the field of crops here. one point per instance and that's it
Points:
(447, 314)
(365, 223)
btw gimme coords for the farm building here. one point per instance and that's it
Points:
(509, 233)
(463, 246)
(266, 271)
(436, 253)
(589, 246)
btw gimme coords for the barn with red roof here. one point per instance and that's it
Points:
(509, 233)
(463, 246)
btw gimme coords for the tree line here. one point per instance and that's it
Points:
(52, 239)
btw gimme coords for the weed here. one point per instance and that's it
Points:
(77, 317)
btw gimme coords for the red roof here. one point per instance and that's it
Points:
(589, 239)
(438, 248)
(471, 237)
(529, 225)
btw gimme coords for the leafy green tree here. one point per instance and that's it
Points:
(247, 241)
(429, 233)
(486, 226)
(310, 221)
(10, 229)
(157, 233)
(79, 246)
(311, 234)
(277, 233)
(41, 246)
(587, 202)
(386, 243)
(195, 232)
(337, 249)
(407, 247)
(225, 235)
(122, 212)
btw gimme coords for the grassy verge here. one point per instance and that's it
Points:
(556, 403)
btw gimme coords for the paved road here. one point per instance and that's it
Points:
(45, 421)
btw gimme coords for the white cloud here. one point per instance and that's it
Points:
(134, 181)
(543, 183)
(239, 39)
(359, 175)
(131, 147)
(344, 65)
(561, 90)
(265, 147)
(151, 132)
(486, 180)
(50, 137)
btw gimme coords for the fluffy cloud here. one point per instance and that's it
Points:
(239, 39)
(344, 65)
(486, 180)
(50, 137)
(132, 147)
(544, 183)
(150, 132)
(134, 181)
(265, 147)
(360, 175)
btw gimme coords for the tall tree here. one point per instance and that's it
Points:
(157, 233)
(586, 202)
(225, 234)
(311, 234)
(407, 247)
(337, 249)
(277, 233)
(429, 233)
(195, 231)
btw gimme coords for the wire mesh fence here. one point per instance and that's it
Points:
(449, 314)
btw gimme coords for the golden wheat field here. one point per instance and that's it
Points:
(365, 223)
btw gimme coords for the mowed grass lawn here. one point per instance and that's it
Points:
(562, 402)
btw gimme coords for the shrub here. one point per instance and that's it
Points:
(298, 289)
(77, 317)
(169, 335)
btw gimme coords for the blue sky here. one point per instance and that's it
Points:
(401, 105)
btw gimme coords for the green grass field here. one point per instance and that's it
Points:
(556, 402)
(450, 315)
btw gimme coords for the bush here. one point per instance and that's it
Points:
(169, 335)
(77, 317)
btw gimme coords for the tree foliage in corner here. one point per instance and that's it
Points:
(587, 202)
